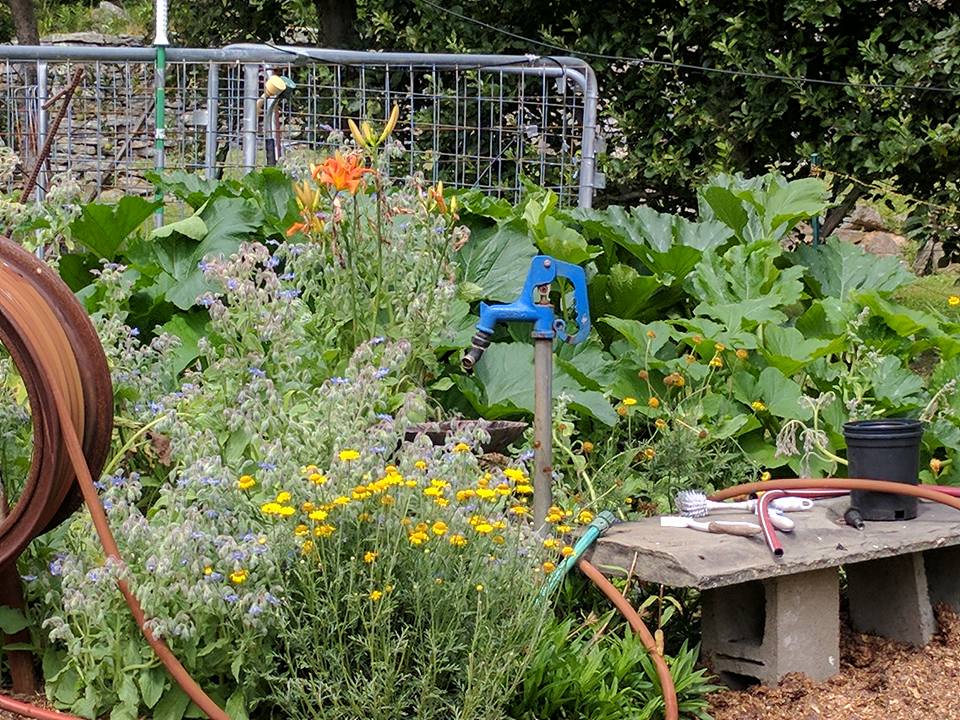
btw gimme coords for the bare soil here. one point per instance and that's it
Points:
(878, 680)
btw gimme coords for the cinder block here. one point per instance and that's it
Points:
(889, 597)
(757, 632)
(943, 575)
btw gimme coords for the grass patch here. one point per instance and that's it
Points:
(930, 293)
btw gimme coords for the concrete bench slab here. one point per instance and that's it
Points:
(764, 617)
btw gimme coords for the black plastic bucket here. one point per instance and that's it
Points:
(884, 450)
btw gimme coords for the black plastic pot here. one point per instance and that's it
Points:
(884, 450)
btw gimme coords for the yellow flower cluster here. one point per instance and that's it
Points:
(494, 497)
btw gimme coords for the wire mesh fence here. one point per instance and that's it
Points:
(486, 122)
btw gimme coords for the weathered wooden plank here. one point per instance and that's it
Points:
(681, 557)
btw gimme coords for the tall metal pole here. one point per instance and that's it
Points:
(251, 91)
(213, 107)
(160, 43)
(542, 430)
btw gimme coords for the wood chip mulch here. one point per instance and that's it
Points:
(878, 680)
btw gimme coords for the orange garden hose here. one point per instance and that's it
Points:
(667, 688)
(39, 317)
(883, 486)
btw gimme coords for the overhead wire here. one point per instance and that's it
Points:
(689, 66)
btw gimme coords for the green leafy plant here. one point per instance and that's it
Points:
(582, 671)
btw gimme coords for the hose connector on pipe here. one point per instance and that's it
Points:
(600, 524)
(478, 345)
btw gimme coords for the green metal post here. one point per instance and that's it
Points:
(815, 221)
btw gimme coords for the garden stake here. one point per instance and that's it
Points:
(815, 220)
(534, 306)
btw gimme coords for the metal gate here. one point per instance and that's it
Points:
(491, 122)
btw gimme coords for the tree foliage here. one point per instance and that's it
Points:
(668, 127)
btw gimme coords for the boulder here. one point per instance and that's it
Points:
(876, 242)
(108, 9)
(90, 38)
(866, 218)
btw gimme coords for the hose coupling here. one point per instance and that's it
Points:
(479, 344)
(854, 518)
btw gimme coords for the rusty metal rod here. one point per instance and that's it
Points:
(52, 132)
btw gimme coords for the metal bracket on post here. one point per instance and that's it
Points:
(534, 306)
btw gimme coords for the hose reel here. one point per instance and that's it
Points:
(48, 333)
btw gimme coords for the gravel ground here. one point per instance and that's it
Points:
(878, 680)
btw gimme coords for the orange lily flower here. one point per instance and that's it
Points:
(342, 172)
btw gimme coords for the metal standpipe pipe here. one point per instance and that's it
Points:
(251, 93)
(542, 431)
(213, 103)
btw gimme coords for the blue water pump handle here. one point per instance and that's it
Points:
(533, 306)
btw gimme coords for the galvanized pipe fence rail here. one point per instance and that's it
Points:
(491, 122)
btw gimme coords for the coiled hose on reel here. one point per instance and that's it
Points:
(59, 356)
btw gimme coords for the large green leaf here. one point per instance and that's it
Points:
(786, 348)
(497, 260)
(744, 287)
(103, 228)
(192, 188)
(189, 328)
(563, 243)
(668, 245)
(276, 197)
(893, 383)
(229, 221)
(780, 394)
(792, 202)
(837, 269)
(505, 380)
(550, 234)
(727, 207)
(192, 227)
(625, 292)
(902, 320)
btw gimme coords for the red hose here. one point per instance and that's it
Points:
(670, 707)
(763, 514)
(33, 711)
(925, 492)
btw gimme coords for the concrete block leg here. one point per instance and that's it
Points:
(943, 575)
(889, 597)
(759, 631)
